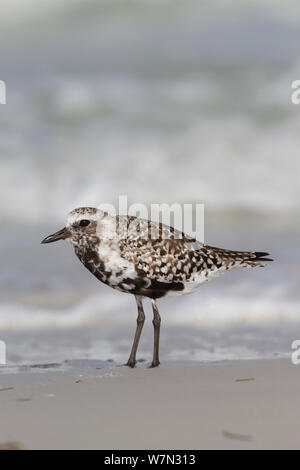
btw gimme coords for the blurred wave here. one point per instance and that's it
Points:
(164, 101)
(103, 310)
(76, 142)
(123, 99)
(30, 9)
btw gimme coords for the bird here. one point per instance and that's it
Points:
(146, 259)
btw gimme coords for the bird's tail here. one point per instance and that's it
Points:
(232, 259)
(252, 259)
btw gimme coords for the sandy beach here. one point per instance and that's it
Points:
(168, 103)
(94, 405)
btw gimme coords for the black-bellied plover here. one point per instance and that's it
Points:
(146, 259)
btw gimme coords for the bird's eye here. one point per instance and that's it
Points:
(84, 223)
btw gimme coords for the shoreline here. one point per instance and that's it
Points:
(92, 405)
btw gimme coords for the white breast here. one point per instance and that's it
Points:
(119, 267)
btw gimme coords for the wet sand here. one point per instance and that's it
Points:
(94, 405)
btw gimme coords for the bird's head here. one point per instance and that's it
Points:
(82, 223)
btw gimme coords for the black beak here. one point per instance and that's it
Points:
(61, 235)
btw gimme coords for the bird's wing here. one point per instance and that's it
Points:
(131, 229)
(173, 257)
(159, 252)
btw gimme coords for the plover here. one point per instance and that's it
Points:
(146, 259)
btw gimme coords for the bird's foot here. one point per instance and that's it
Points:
(131, 363)
(154, 364)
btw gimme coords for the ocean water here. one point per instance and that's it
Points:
(163, 101)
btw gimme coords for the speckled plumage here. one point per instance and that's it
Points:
(149, 259)
(145, 258)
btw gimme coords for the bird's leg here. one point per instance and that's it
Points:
(156, 323)
(140, 323)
